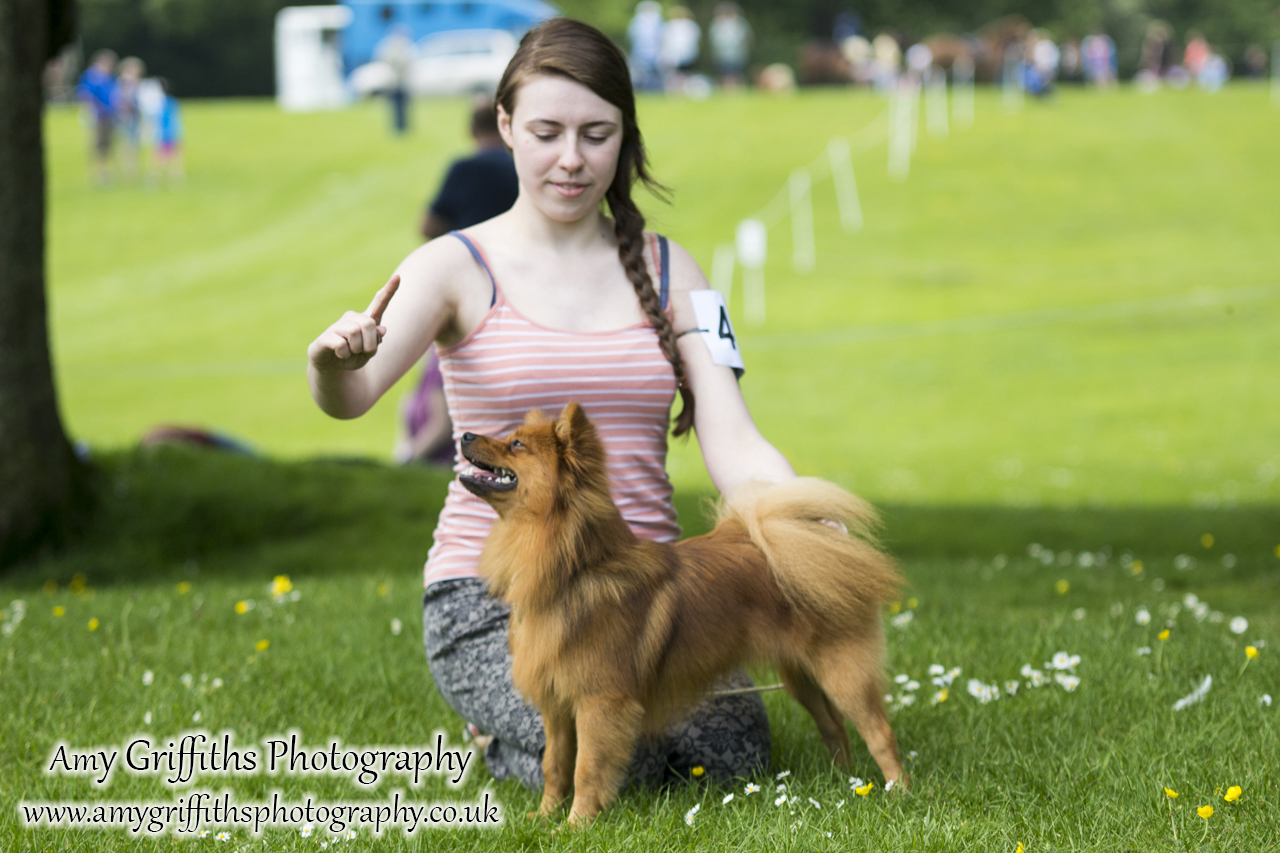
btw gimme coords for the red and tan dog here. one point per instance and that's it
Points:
(613, 636)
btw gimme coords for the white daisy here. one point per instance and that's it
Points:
(728, 798)
(1144, 651)
(1011, 687)
(937, 669)
(147, 678)
(1142, 616)
(784, 774)
(815, 803)
(688, 816)
(1238, 625)
(751, 788)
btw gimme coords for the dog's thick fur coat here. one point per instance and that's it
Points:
(613, 636)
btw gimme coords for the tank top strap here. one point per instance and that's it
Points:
(479, 256)
(664, 271)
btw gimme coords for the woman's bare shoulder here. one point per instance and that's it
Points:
(686, 274)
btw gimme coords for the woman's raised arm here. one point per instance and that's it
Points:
(357, 359)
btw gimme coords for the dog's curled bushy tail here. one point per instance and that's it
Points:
(820, 543)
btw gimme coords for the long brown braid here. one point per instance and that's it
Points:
(578, 51)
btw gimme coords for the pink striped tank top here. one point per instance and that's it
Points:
(510, 364)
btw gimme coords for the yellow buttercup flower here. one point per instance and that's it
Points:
(183, 588)
(1062, 587)
(697, 771)
(1135, 568)
(1233, 794)
(1163, 635)
(865, 789)
(1171, 794)
(93, 624)
(895, 606)
(1019, 850)
(384, 588)
(281, 585)
(1251, 652)
(242, 607)
(262, 645)
(913, 602)
(59, 611)
(1205, 812)
(1207, 540)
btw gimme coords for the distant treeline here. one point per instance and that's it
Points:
(224, 47)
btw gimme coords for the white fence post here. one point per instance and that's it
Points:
(962, 91)
(1012, 84)
(936, 104)
(803, 250)
(752, 242)
(722, 271)
(899, 132)
(846, 186)
(1275, 73)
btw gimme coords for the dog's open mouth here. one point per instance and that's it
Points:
(489, 478)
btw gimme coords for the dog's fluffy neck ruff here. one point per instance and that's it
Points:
(531, 557)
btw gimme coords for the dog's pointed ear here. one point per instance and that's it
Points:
(572, 425)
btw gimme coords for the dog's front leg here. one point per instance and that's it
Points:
(557, 760)
(608, 728)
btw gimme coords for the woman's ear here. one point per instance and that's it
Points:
(504, 127)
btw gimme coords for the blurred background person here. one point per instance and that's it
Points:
(919, 59)
(1155, 56)
(887, 60)
(165, 162)
(1255, 62)
(730, 35)
(1098, 56)
(1042, 69)
(645, 35)
(97, 92)
(396, 50)
(681, 37)
(425, 433)
(475, 188)
(1196, 54)
(129, 113)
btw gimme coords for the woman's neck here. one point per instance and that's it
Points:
(556, 235)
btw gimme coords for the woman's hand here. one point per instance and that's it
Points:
(349, 343)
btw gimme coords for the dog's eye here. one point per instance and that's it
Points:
(515, 442)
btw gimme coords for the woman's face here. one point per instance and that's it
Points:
(565, 140)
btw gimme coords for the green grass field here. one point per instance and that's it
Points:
(1045, 476)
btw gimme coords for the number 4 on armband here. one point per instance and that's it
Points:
(726, 328)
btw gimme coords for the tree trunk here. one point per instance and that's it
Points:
(41, 481)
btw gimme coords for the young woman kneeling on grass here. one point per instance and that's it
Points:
(552, 302)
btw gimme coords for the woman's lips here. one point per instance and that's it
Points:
(570, 190)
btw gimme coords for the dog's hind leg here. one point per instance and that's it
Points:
(849, 676)
(829, 720)
(608, 729)
(557, 761)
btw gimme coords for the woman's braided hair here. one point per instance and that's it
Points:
(567, 48)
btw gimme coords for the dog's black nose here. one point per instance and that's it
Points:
(468, 437)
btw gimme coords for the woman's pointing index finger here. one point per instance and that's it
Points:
(382, 298)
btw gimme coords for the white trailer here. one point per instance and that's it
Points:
(309, 72)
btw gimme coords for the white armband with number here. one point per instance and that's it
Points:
(717, 331)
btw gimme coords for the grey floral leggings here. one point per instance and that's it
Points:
(465, 633)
